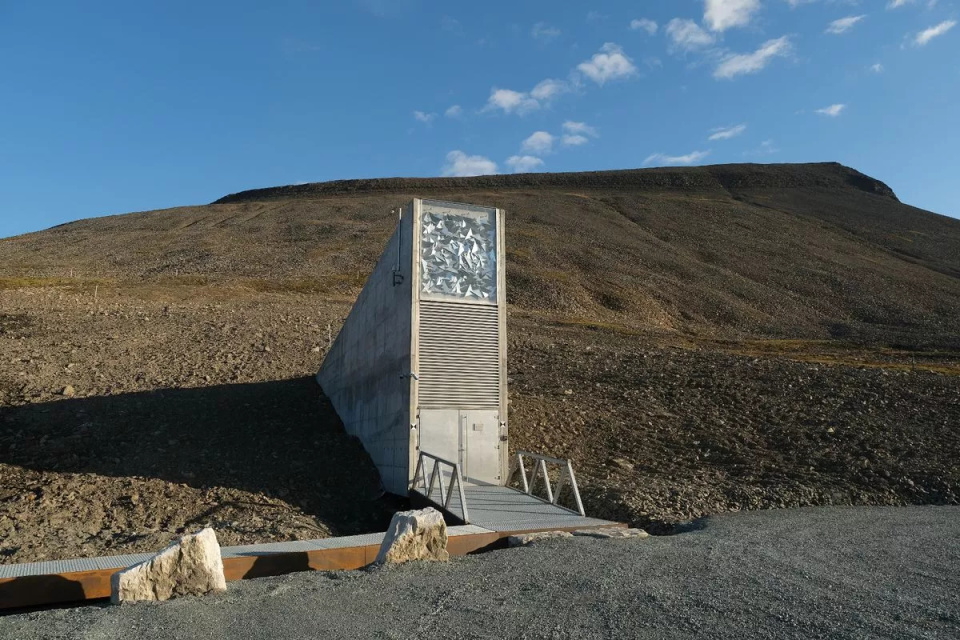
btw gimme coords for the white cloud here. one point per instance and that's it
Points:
(609, 64)
(725, 133)
(843, 25)
(544, 32)
(524, 164)
(766, 148)
(548, 89)
(738, 64)
(721, 15)
(521, 102)
(895, 4)
(644, 24)
(577, 133)
(579, 128)
(454, 111)
(688, 35)
(927, 35)
(574, 140)
(876, 68)
(425, 118)
(511, 101)
(539, 142)
(691, 158)
(460, 164)
(832, 111)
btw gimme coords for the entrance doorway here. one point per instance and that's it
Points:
(468, 437)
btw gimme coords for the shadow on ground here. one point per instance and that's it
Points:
(280, 438)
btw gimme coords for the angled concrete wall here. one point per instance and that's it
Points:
(365, 373)
(420, 362)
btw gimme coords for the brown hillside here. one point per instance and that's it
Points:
(776, 250)
(698, 340)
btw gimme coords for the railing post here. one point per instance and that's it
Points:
(563, 476)
(416, 472)
(576, 490)
(436, 466)
(533, 476)
(463, 498)
(523, 473)
(433, 476)
(546, 480)
(423, 471)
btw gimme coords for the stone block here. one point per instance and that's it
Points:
(190, 566)
(414, 535)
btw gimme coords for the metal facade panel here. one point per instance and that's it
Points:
(440, 435)
(459, 355)
(458, 251)
(480, 440)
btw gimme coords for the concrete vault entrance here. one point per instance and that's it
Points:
(419, 374)
(420, 363)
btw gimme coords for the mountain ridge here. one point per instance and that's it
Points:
(726, 176)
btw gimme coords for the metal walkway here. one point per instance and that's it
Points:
(506, 509)
(439, 482)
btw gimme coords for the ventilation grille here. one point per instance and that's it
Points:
(459, 355)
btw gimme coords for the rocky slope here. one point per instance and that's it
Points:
(698, 340)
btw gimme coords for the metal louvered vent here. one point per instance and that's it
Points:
(459, 355)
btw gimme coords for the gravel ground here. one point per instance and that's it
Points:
(196, 406)
(806, 573)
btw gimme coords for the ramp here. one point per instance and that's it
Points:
(503, 509)
(440, 483)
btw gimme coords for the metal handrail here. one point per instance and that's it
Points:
(421, 475)
(540, 465)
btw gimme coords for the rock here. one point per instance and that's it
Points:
(612, 532)
(414, 535)
(622, 463)
(315, 350)
(68, 391)
(191, 566)
(524, 539)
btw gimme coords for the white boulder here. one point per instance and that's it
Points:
(190, 566)
(414, 535)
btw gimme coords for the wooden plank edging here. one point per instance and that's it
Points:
(77, 586)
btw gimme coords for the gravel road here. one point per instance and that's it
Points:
(840, 572)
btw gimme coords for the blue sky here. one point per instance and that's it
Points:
(111, 107)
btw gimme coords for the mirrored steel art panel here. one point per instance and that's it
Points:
(458, 252)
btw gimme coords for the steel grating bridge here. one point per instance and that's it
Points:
(506, 509)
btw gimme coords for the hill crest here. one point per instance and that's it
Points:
(726, 177)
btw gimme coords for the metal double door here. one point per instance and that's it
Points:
(469, 437)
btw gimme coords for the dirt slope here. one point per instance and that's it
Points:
(699, 340)
(806, 250)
